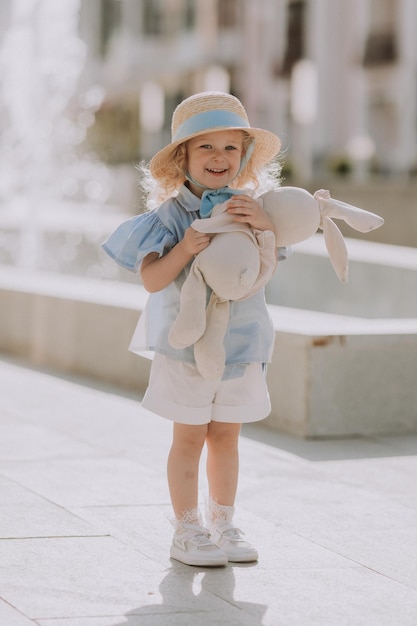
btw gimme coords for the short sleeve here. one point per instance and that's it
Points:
(137, 237)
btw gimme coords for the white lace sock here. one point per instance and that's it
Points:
(218, 514)
(190, 516)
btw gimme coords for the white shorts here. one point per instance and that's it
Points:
(178, 392)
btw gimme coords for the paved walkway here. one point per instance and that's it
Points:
(85, 537)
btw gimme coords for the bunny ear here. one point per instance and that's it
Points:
(360, 220)
(190, 322)
(209, 352)
(336, 247)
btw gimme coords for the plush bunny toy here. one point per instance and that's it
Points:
(241, 260)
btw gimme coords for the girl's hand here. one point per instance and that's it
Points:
(158, 272)
(248, 210)
(194, 242)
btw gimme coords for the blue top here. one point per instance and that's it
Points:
(250, 334)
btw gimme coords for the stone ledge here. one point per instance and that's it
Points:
(331, 375)
(77, 325)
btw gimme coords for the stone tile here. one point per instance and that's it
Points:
(269, 476)
(198, 585)
(258, 598)
(331, 449)
(226, 617)
(24, 441)
(87, 621)
(322, 597)
(89, 577)
(308, 596)
(284, 549)
(85, 413)
(362, 526)
(391, 553)
(308, 501)
(97, 482)
(180, 618)
(12, 493)
(109, 423)
(147, 528)
(400, 445)
(23, 513)
(9, 616)
(395, 477)
(40, 519)
(272, 458)
(116, 620)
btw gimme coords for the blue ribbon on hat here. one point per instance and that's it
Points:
(211, 197)
(207, 121)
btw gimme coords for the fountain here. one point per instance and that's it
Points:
(53, 195)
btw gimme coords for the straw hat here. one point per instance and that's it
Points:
(209, 112)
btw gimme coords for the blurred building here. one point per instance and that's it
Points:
(336, 79)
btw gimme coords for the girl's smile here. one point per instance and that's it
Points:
(214, 159)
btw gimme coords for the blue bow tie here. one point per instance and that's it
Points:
(211, 197)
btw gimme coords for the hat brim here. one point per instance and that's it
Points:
(267, 146)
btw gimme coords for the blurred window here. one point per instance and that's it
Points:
(171, 103)
(110, 22)
(189, 14)
(168, 17)
(153, 17)
(381, 46)
(228, 13)
(295, 35)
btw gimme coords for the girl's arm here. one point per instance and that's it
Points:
(158, 272)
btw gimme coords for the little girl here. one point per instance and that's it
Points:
(213, 151)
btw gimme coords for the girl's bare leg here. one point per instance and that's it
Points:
(222, 472)
(191, 543)
(223, 461)
(183, 464)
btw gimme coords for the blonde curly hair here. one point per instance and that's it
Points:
(167, 183)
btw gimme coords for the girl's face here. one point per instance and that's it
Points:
(213, 159)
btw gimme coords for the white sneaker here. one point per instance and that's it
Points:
(191, 545)
(228, 538)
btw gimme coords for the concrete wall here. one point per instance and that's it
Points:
(78, 326)
(342, 376)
